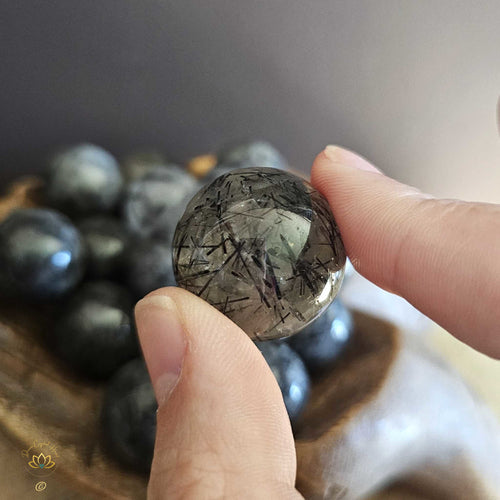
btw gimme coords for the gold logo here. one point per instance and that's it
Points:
(40, 458)
(41, 462)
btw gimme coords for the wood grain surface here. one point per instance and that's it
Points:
(41, 400)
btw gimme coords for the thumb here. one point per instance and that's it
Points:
(222, 427)
(441, 255)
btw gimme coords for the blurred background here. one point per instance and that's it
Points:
(413, 86)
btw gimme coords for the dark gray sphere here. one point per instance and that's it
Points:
(147, 267)
(290, 373)
(106, 240)
(129, 416)
(322, 342)
(95, 332)
(41, 254)
(251, 154)
(154, 203)
(243, 155)
(82, 180)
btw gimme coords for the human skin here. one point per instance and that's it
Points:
(223, 431)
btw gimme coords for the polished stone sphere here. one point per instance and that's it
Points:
(322, 342)
(290, 373)
(95, 330)
(262, 246)
(251, 154)
(246, 154)
(41, 254)
(147, 267)
(83, 180)
(106, 240)
(154, 203)
(129, 416)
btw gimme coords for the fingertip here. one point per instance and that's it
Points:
(226, 341)
(337, 172)
(166, 291)
(347, 158)
(163, 341)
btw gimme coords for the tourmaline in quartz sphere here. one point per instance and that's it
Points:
(262, 246)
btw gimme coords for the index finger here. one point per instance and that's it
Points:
(440, 255)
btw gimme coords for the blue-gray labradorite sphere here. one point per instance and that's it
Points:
(262, 246)
(41, 254)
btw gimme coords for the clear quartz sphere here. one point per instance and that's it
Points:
(261, 245)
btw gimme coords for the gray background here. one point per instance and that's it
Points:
(412, 85)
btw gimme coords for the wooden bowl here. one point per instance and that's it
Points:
(43, 403)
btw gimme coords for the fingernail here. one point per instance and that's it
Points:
(163, 342)
(349, 159)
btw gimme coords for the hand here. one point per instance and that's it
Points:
(222, 426)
